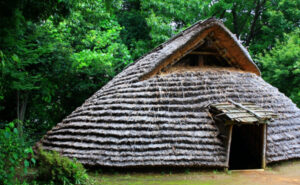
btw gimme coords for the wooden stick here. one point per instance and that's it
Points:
(241, 106)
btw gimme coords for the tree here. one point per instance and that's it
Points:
(281, 65)
(18, 47)
(135, 33)
(166, 18)
(258, 23)
(53, 67)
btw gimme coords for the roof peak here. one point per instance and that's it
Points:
(186, 41)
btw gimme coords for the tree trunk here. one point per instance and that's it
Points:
(258, 10)
(235, 21)
(18, 105)
(22, 102)
(23, 107)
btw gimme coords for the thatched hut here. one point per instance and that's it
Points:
(195, 100)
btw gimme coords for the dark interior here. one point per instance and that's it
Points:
(246, 147)
(208, 60)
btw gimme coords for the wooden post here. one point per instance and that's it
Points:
(229, 145)
(200, 61)
(264, 133)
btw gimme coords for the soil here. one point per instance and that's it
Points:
(286, 173)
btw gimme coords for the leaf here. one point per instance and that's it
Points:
(15, 156)
(28, 150)
(16, 131)
(33, 161)
(15, 58)
(11, 125)
(26, 163)
(6, 134)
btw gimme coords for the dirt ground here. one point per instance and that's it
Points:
(285, 173)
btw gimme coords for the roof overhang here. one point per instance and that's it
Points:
(240, 113)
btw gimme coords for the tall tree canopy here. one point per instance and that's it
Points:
(281, 65)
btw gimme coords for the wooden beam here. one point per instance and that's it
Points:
(203, 53)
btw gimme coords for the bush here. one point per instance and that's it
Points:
(56, 169)
(13, 155)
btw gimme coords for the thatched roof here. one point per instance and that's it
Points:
(141, 118)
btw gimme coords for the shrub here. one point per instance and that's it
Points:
(13, 155)
(56, 169)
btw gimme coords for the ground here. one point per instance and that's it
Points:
(286, 173)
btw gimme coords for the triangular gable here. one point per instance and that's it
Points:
(225, 46)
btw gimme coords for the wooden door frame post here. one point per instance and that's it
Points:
(264, 145)
(229, 146)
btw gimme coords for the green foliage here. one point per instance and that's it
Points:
(258, 22)
(14, 156)
(14, 15)
(56, 169)
(166, 18)
(281, 65)
(135, 32)
(54, 67)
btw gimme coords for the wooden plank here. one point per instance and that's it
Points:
(241, 106)
(248, 119)
(239, 115)
(233, 111)
(203, 53)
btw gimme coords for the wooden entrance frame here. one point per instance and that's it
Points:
(228, 114)
(264, 144)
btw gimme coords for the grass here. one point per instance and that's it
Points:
(282, 173)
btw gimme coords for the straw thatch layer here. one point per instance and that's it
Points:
(165, 121)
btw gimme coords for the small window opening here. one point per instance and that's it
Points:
(205, 56)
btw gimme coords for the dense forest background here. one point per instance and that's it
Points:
(54, 54)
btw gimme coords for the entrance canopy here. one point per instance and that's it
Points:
(240, 113)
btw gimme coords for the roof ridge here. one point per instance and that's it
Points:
(160, 46)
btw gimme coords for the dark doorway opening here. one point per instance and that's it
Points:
(246, 150)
